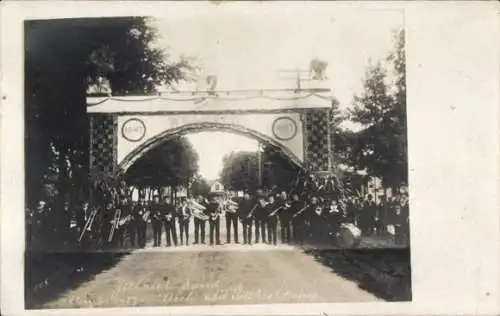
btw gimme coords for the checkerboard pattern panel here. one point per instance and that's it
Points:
(317, 147)
(103, 138)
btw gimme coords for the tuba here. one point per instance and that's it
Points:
(197, 210)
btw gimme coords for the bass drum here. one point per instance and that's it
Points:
(350, 236)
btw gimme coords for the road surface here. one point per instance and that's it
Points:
(212, 275)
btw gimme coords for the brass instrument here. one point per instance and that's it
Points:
(125, 220)
(217, 212)
(88, 224)
(145, 216)
(275, 211)
(169, 217)
(318, 210)
(197, 210)
(200, 215)
(185, 214)
(300, 211)
(230, 206)
(114, 224)
(250, 214)
(156, 216)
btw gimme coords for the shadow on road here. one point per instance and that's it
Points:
(385, 273)
(49, 275)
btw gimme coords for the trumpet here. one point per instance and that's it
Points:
(114, 224)
(88, 224)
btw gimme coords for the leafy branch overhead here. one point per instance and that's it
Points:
(381, 146)
(62, 58)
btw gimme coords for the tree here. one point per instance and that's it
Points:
(172, 163)
(380, 147)
(240, 171)
(199, 186)
(62, 57)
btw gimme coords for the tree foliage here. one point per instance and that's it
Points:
(381, 147)
(172, 163)
(61, 58)
(241, 170)
(199, 186)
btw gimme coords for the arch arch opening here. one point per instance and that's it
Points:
(124, 165)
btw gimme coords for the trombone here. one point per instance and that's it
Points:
(114, 224)
(300, 211)
(88, 224)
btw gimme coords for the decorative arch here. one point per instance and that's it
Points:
(156, 140)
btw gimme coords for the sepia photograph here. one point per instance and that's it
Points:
(216, 159)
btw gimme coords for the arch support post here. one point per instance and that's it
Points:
(317, 138)
(103, 145)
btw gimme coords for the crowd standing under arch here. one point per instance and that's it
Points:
(313, 212)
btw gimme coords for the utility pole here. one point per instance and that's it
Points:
(259, 165)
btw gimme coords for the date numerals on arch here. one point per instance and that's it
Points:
(284, 128)
(133, 130)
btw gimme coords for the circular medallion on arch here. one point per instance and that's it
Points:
(134, 130)
(284, 128)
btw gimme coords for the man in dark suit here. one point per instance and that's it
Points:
(184, 219)
(245, 208)
(156, 221)
(231, 220)
(199, 224)
(316, 215)
(260, 217)
(284, 217)
(169, 222)
(139, 222)
(403, 223)
(272, 220)
(367, 216)
(214, 221)
(298, 219)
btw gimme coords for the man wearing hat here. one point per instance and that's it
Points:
(260, 215)
(271, 220)
(231, 220)
(214, 221)
(245, 210)
(169, 222)
(139, 222)
(156, 220)
(200, 224)
(284, 217)
(184, 219)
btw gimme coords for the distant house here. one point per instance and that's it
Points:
(216, 186)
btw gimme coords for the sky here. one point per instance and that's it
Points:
(245, 49)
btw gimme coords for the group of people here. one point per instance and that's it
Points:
(264, 217)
